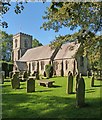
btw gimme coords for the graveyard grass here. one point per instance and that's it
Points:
(50, 102)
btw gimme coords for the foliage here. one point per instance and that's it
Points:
(7, 67)
(84, 16)
(49, 102)
(49, 70)
(36, 43)
(6, 45)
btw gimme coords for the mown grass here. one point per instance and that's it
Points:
(50, 102)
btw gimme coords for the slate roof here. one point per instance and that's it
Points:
(67, 50)
(37, 53)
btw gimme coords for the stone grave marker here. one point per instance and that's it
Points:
(31, 85)
(69, 89)
(2, 76)
(80, 93)
(15, 82)
(92, 81)
(77, 79)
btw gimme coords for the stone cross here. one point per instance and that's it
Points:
(69, 89)
(30, 85)
(15, 82)
(80, 93)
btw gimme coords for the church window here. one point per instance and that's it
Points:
(42, 65)
(33, 65)
(16, 43)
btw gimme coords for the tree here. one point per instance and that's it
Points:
(6, 45)
(85, 16)
(36, 43)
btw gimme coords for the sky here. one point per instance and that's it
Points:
(30, 21)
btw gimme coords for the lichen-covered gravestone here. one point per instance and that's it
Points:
(2, 76)
(92, 81)
(31, 85)
(69, 88)
(15, 82)
(80, 93)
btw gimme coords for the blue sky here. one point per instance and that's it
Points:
(30, 21)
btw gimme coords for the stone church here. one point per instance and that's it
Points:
(31, 59)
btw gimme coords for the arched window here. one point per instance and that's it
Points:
(16, 43)
(33, 65)
(42, 65)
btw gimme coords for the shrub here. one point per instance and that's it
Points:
(49, 70)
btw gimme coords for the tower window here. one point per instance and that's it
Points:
(16, 43)
(25, 44)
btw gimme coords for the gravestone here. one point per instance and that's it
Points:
(15, 82)
(69, 89)
(77, 79)
(80, 93)
(92, 81)
(30, 85)
(2, 76)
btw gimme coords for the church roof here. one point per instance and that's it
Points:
(67, 50)
(37, 53)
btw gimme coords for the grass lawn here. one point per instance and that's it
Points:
(49, 102)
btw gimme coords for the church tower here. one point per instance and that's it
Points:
(21, 42)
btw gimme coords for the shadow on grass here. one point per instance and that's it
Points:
(55, 86)
(97, 86)
(90, 90)
(44, 91)
(39, 106)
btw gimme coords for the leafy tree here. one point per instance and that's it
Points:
(36, 43)
(6, 45)
(85, 16)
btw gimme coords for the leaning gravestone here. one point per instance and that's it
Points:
(80, 93)
(31, 85)
(2, 76)
(15, 82)
(69, 89)
(92, 81)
